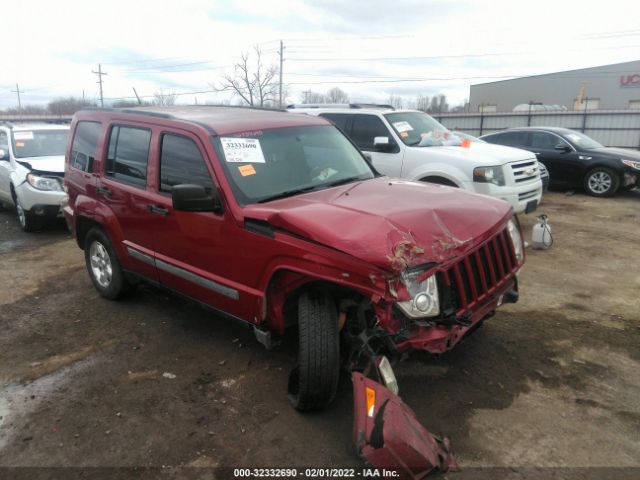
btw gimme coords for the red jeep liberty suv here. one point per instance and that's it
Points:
(278, 220)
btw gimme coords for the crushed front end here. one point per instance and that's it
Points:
(438, 303)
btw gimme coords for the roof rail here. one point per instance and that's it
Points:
(294, 106)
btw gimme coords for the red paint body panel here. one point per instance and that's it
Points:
(388, 435)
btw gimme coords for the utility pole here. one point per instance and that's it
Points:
(100, 73)
(137, 96)
(281, 53)
(17, 90)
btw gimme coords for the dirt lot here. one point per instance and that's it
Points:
(552, 381)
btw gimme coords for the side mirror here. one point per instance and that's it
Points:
(562, 147)
(4, 154)
(194, 198)
(382, 144)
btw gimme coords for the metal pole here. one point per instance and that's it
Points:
(100, 73)
(281, 61)
(17, 90)
(584, 116)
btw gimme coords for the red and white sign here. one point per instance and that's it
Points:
(630, 80)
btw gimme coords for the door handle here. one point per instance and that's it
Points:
(104, 191)
(158, 210)
(536, 153)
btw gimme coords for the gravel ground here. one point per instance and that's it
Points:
(549, 387)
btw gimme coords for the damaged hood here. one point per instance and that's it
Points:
(389, 223)
(53, 164)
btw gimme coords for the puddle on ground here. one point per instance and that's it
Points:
(17, 401)
(13, 245)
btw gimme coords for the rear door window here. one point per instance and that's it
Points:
(508, 138)
(181, 162)
(128, 154)
(366, 128)
(85, 144)
(341, 120)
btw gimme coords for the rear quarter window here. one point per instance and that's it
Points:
(85, 145)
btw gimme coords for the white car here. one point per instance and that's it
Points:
(32, 171)
(412, 145)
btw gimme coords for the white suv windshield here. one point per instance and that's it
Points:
(39, 143)
(272, 164)
(421, 130)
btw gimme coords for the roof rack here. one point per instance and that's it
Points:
(294, 106)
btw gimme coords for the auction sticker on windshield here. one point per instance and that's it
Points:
(403, 126)
(238, 150)
(23, 135)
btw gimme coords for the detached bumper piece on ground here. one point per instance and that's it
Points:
(388, 435)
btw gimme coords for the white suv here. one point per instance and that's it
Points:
(412, 145)
(32, 170)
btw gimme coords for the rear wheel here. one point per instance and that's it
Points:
(601, 182)
(103, 265)
(314, 382)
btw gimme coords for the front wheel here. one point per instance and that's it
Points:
(28, 221)
(103, 265)
(601, 182)
(314, 382)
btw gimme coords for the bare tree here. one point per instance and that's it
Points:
(309, 96)
(162, 99)
(337, 95)
(67, 105)
(27, 110)
(395, 101)
(128, 103)
(422, 103)
(438, 104)
(252, 81)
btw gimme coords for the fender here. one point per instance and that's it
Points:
(98, 212)
(454, 175)
(286, 274)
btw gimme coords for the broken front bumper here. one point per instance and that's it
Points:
(388, 435)
(446, 332)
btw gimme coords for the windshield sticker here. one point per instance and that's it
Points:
(23, 135)
(237, 150)
(404, 134)
(403, 126)
(246, 170)
(19, 144)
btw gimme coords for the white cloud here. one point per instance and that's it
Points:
(55, 45)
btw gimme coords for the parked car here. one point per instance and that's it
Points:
(277, 220)
(466, 136)
(31, 171)
(575, 160)
(412, 145)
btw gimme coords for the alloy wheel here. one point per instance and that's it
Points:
(101, 267)
(600, 182)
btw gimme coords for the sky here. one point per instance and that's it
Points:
(371, 49)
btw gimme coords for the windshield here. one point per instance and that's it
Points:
(271, 164)
(580, 140)
(39, 143)
(421, 130)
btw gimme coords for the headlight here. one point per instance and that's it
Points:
(44, 183)
(516, 239)
(424, 296)
(489, 175)
(631, 163)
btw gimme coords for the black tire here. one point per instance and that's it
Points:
(29, 222)
(113, 283)
(314, 381)
(601, 182)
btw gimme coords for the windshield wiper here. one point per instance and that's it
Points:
(342, 182)
(287, 193)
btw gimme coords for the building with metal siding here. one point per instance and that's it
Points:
(615, 86)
